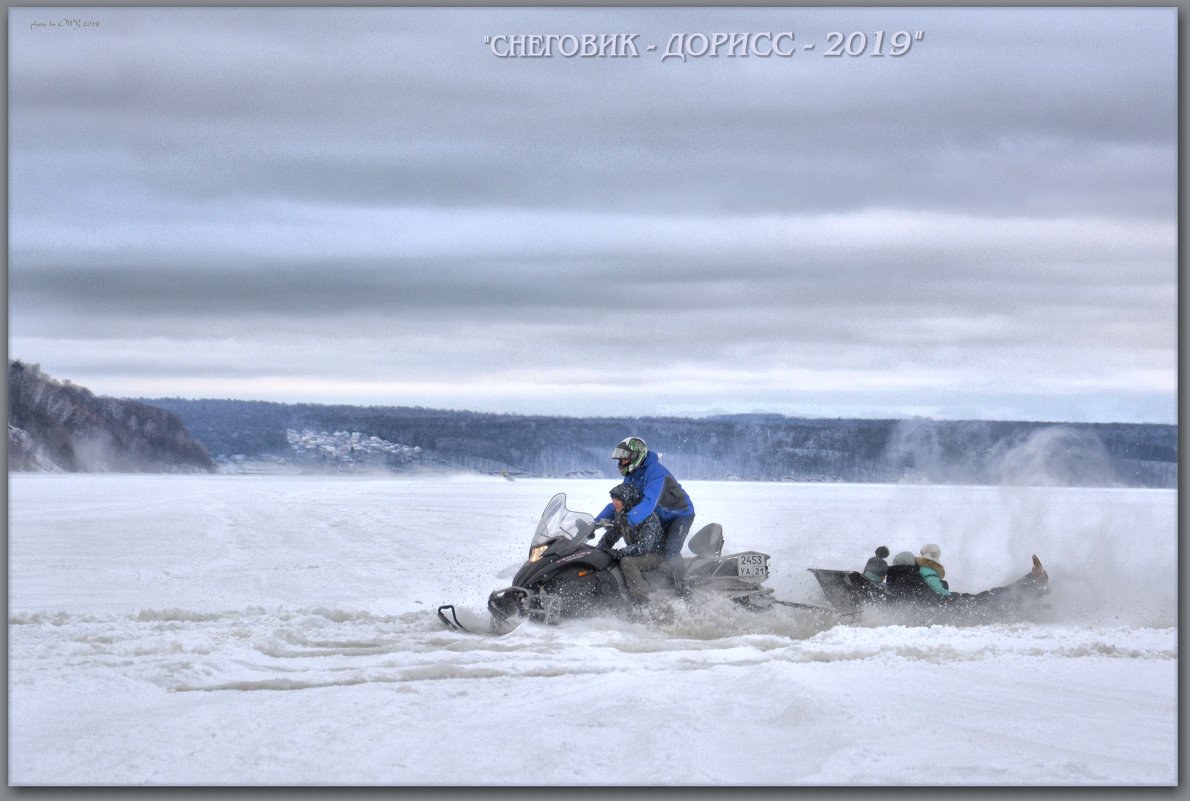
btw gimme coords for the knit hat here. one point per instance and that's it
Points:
(904, 558)
(932, 552)
(882, 552)
(628, 493)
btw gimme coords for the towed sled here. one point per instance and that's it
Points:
(565, 577)
(851, 594)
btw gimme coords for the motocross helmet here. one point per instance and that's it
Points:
(630, 453)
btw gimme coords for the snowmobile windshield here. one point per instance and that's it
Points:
(558, 521)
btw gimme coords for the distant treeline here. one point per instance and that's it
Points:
(58, 426)
(750, 447)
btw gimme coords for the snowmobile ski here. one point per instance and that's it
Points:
(448, 615)
(469, 623)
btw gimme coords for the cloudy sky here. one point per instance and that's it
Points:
(371, 206)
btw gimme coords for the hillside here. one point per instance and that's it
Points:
(751, 447)
(58, 426)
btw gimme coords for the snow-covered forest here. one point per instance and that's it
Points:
(57, 426)
(746, 447)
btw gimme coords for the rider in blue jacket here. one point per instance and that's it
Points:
(661, 493)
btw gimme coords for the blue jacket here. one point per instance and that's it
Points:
(662, 494)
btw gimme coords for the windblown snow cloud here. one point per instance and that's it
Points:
(366, 205)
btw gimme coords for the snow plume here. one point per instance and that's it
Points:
(97, 452)
(914, 445)
(1112, 557)
(922, 450)
(982, 452)
(1054, 457)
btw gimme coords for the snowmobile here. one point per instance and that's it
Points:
(852, 594)
(565, 577)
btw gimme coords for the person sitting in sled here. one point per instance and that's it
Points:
(644, 541)
(661, 494)
(922, 578)
(918, 577)
(877, 568)
(931, 570)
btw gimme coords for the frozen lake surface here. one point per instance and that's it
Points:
(266, 630)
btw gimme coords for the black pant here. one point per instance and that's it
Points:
(675, 534)
(675, 537)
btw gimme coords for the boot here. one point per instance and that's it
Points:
(641, 599)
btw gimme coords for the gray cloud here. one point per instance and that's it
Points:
(302, 111)
(301, 183)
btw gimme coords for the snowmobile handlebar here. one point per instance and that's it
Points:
(595, 526)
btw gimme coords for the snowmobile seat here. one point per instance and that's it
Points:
(707, 546)
(708, 542)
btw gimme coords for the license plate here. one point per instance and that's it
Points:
(751, 565)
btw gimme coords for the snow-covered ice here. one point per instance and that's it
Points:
(268, 630)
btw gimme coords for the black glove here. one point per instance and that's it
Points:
(616, 553)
